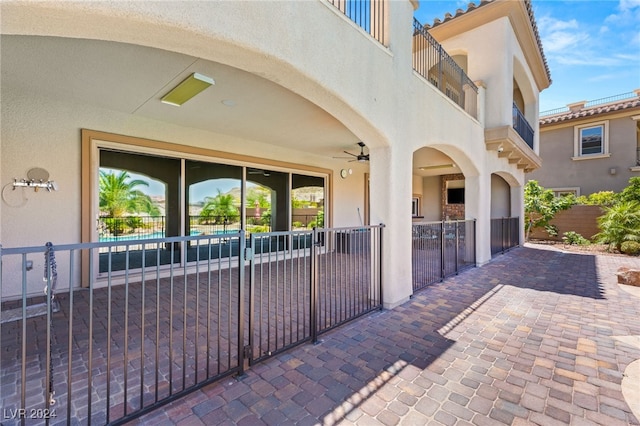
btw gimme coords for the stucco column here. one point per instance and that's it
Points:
(390, 193)
(481, 102)
(478, 206)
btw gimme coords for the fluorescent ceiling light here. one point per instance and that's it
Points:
(186, 90)
(438, 166)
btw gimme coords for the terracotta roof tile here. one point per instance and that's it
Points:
(591, 111)
(472, 6)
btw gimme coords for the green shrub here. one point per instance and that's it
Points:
(552, 230)
(602, 198)
(631, 192)
(630, 247)
(573, 238)
(620, 223)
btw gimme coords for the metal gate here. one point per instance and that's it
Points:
(441, 249)
(505, 234)
(139, 337)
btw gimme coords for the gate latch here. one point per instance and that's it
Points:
(247, 351)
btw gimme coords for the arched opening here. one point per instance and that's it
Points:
(505, 223)
(443, 237)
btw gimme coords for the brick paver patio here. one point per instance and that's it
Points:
(535, 337)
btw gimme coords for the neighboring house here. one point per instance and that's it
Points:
(592, 146)
(296, 84)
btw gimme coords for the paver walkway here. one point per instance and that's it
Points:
(535, 337)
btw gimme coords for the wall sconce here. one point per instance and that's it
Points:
(36, 178)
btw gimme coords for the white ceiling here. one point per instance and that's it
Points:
(132, 79)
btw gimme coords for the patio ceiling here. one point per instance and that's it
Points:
(132, 79)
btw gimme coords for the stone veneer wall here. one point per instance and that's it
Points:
(450, 211)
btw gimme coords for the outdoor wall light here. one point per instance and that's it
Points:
(187, 89)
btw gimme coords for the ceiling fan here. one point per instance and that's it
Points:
(360, 158)
(252, 171)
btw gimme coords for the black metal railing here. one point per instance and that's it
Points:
(108, 349)
(125, 228)
(522, 126)
(432, 62)
(304, 283)
(441, 249)
(112, 228)
(505, 234)
(370, 15)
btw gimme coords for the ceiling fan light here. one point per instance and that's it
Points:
(187, 89)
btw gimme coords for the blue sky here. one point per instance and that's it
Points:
(592, 46)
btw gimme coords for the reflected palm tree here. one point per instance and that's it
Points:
(119, 195)
(219, 209)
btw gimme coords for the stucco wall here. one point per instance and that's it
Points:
(42, 132)
(393, 109)
(591, 175)
(500, 197)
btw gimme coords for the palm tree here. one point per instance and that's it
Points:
(219, 208)
(119, 196)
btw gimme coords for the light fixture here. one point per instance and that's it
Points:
(437, 166)
(187, 89)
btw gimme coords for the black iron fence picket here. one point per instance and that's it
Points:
(441, 249)
(505, 234)
(146, 332)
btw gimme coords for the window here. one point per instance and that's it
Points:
(210, 193)
(561, 192)
(452, 94)
(591, 141)
(415, 206)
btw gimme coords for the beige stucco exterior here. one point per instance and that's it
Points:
(564, 171)
(296, 55)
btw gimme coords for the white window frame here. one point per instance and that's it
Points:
(559, 192)
(577, 141)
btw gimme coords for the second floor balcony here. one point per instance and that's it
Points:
(432, 62)
(522, 126)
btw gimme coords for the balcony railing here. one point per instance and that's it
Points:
(522, 126)
(589, 104)
(433, 63)
(367, 14)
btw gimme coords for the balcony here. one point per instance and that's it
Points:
(514, 142)
(522, 126)
(433, 63)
